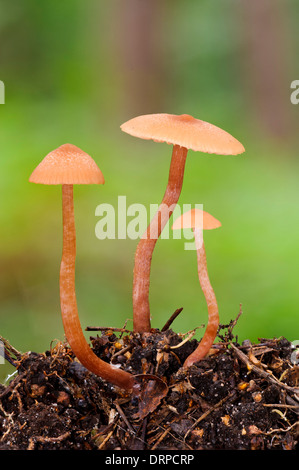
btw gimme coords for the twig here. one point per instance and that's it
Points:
(11, 348)
(124, 418)
(206, 413)
(171, 319)
(281, 429)
(164, 434)
(43, 439)
(107, 438)
(235, 321)
(13, 383)
(8, 350)
(191, 334)
(106, 328)
(107, 429)
(121, 351)
(143, 433)
(280, 405)
(139, 443)
(261, 372)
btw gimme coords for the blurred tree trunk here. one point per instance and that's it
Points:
(141, 54)
(267, 65)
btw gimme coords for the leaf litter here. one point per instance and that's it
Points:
(240, 397)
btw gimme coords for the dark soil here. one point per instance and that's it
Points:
(240, 397)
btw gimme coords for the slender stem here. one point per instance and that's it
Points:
(69, 310)
(213, 320)
(145, 248)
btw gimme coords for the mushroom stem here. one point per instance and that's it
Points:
(213, 320)
(146, 245)
(69, 310)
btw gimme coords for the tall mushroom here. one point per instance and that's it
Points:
(183, 132)
(69, 165)
(198, 221)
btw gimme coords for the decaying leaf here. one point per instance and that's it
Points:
(150, 390)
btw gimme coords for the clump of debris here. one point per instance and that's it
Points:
(241, 397)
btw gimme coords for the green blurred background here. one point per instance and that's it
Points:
(74, 72)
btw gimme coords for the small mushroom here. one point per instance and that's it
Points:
(198, 221)
(183, 132)
(69, 165)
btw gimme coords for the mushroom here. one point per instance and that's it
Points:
(183, 132)
(198, 221)
(69, 165)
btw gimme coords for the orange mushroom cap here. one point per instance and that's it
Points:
(196, 218)
(185, 131)
(67, 165)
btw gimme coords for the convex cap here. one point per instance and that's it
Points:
(196, 218)
(185, 131)
(67, 164)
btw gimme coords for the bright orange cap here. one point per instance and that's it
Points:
(196, 218)
(67, 165)
(185, 131)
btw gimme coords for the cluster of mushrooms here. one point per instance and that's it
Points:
(69, 165)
